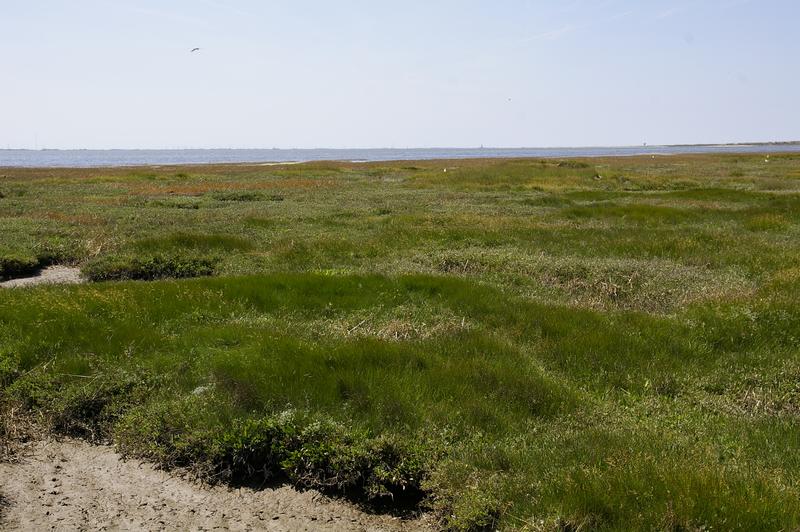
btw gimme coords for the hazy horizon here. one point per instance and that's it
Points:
(402, 148)
(417, 75)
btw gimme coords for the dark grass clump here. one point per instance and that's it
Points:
(238, 196)
(189, 204)
(126, 268)
(309, 453)
(176, 256)
(17, 266)
(245, 196)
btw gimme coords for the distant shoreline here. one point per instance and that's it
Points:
(776, 143)
(56, 158)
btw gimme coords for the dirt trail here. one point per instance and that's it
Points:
(49, 275)
(71, 485)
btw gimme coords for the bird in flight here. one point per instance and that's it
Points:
(195, 50)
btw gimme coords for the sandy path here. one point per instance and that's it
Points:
(49, 275)
(71, 485)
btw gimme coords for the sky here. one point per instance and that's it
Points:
(396, 74)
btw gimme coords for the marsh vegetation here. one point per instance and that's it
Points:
(601, 343)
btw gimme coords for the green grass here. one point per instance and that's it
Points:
(607, 344)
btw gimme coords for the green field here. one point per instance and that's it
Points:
(520, 344)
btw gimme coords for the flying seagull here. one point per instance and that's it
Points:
(195, 50)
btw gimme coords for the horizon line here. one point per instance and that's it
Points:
(573, 147)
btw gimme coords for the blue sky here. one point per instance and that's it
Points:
(313, 73)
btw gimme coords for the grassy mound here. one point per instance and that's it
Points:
(498, 409)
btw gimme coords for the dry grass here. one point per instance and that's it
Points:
(18, 426)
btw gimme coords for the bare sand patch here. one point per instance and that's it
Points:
(49, 275)
(71, 485)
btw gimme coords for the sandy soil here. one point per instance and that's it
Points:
(50, 275)
(71, 485)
